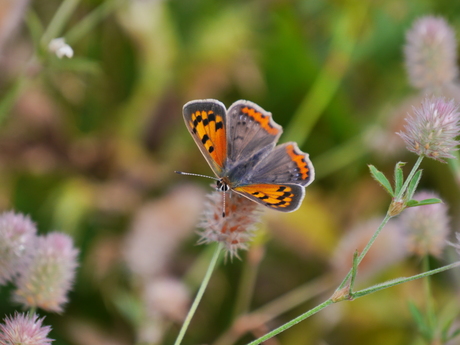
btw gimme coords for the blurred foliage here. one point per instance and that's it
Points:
(87, 142)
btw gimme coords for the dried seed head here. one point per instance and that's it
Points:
(433, 129)
(234, 230)
(431, 53)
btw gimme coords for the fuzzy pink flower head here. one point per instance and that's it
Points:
(24, 330)
(431, 53)
(48, 278)
(426, 227)
(234, 230)
(433, 129)
(17, 233)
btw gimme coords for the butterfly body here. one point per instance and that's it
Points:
(239, 145)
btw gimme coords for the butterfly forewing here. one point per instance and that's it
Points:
(250, 130)
(206, 121)
(285, 198)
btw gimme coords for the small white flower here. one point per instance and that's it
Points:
(60, 48)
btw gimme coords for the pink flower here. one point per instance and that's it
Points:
(426, 227)
(431, 53)
(433, 129)
(17, 232)
(24, 330)
(47, 279)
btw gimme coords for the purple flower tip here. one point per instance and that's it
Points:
(24, 329)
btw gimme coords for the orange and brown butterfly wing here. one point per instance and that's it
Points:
(206, 121)
(280, 197)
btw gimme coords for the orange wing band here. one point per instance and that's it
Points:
(209, 127)
(299, 159)
(275, 196)
(263, 120)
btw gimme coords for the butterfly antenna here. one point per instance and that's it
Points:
(224, 194)
(191, 174)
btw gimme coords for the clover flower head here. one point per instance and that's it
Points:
(25, 330)
(234, 230)
(49, 276)
(433, 129)
(17, 234)
(431, 53)
(426, 227)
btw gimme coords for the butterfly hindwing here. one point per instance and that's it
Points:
(284, 164)
(250, 130)
(206, 121)
(285, 198)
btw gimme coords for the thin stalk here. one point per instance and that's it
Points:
(431, 316)
(385, 220)
(398, 281)
(199, 295)
(366, 249)
(59, 20)
(292, 322)
(355, 295)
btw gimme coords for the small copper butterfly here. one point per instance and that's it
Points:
(239, 145)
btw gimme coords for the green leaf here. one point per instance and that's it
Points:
(413, 185)
(380, 178)
(412, 203)
(419, 321)
(399, 177)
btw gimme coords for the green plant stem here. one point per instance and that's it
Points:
(355, 295)
(84, 26)
(365, 250)
(59, 20)
(32, 312)
(199, 294)
(398, 281)
(292, 322)
(384, 221)
(431, 316)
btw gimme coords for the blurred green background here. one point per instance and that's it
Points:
(88, 147)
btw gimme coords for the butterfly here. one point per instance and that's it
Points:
(239, 146)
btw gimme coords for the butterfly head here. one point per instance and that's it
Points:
(222, 185)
